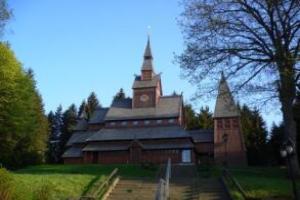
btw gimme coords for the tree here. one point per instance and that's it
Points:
(54, 147)
(120, 95)
(92, 104)
(69, 119)
(191, 120)
(5, 15)
(205, 118)
(249, 40)
(82, 109)
(23, 125)
(275, 142)
(255, 135)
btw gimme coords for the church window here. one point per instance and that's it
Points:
(124, 123)
(147, 122)
(235, 123)
(159, 121)
(171, 121)
(227, 123)
(220, 123)
(135, 123)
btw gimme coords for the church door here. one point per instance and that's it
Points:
(186, 156)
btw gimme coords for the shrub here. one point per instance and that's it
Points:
(44, 192)
(6, 185)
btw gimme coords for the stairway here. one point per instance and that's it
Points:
(186, 184)
(134, 189)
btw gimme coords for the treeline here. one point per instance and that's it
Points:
(262, 147)
(23, 125)
(61, 124)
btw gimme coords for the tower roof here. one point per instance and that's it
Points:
(147, 63)
(225, 105)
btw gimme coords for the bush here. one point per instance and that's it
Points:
(44, 192)
(6, 185)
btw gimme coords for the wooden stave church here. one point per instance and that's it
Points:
(150, 127)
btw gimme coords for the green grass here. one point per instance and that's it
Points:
(68, 180)
(263, 182)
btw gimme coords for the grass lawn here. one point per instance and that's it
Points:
(68, 180)
(264, 182)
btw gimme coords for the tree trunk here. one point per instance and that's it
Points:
(287, 93)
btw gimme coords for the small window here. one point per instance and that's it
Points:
(112, 123)
(147, 122)
(159, 121)
(135, 123)
(124, 123)
(227, 123)
(171, 121)
(235, 123)
(220, 123)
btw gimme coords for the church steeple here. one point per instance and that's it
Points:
(225, 105)
(147, 66)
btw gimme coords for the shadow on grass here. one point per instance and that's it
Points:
(90, 185)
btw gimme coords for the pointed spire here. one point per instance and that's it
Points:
(147, 64)
(225, 105)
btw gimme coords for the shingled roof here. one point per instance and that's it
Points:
(139, 83)
(81, 125)
(139, 133)
(98, 115)
(167, 107)
(147, 64)
(73, 152)
(202, 135)
(79, 137)
(225, 106)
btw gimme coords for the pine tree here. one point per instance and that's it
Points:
(55, 150)
(275, 142)
(255, 135)
(69, 121)
(205, 118)
(120, 95)
(82, 109)
(92, 104)
(191, 120)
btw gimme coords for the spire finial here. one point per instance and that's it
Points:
(148, 53)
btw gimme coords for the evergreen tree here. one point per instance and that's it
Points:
(82, 109)
(50, 118)
(191, 120)
(205, 118)
(69, 121)
(120, 95)
(255, 135)
(92, 104)
(23, 125)
(54, 148)
(275, 142)
(5, 15)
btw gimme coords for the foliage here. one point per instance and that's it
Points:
(81, 111)
(255, 135)
(56, 124)
(205, 118)
(92, 104)
(5, 15)
(249, 40)
(120, 95)
(6, 185)
(69, 120)
(191, 120)
(22, 122)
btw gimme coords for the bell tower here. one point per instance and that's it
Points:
(147, 88)
(229, 146)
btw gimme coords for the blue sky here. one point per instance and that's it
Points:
(76, 46)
